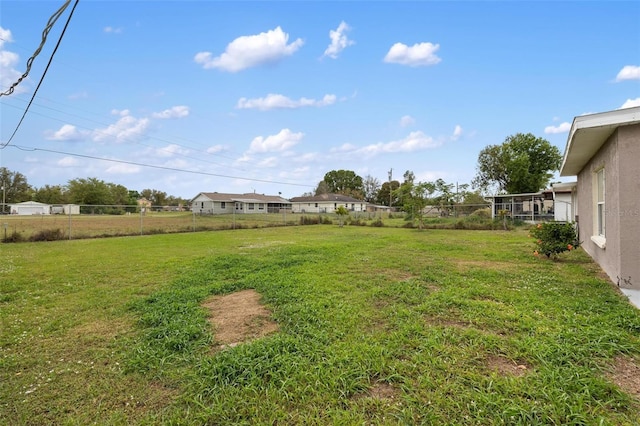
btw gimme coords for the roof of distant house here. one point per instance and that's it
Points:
(326, 198)
(250, 197)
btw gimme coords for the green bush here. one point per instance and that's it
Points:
(553, 238)
(484, 213)
(48, 235)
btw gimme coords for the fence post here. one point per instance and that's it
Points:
(141, 214)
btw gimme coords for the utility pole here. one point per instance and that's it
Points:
(390, 197)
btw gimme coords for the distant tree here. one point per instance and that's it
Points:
(416, 196)
(446, 196)
(322, 188)
(156, 197)
(119, 194)
(51, 194)
(344, 182)
(387, 194)
(92, 192)
(14, 185)
(341, 211)
(134, 195)
(121, 197)
(522, 164)
(370, 188)
(409, 176)
(471, 202)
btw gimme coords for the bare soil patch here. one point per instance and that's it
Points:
(381, 391)
(239, 317)
(507, 367)
(625, 373)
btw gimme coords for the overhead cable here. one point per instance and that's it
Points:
(173, 169)
(2, 146)
(45, 33)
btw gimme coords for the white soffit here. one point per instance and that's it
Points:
(589, 132)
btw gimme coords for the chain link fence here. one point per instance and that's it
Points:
(97, 221)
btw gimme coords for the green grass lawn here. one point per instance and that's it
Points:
(376, 326)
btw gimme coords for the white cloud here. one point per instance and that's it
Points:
(123, 169)
(630, 103)
(457, 132)
(274, 101)
(120, 112)
(113, 30)
(178, 111)
(415, 141)
(127, 128)
(269, 162)
(629, 72)
(407, 120)
(170, 151)
(280, 142)
(215, 149)
(8, 61)
(67, 132)
(420, 54)
(561, 128)
(339, 40)
(250, 51)
(68, 162)
(5, 36)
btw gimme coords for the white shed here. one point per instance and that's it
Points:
(30, 208)
(564, 201)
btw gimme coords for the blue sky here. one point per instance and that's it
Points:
(269, 96)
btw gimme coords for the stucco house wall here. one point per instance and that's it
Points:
(326, 203)
(628, 213)
(609, 141)
(608, 255)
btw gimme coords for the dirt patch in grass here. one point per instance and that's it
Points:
(507, 367)
(381, 391)
(626, 375)
(239, 317)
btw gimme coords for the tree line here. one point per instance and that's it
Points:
(100, 196)
(523, 163)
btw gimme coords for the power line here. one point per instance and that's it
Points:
(52, 21)
(173, 169)
(132, 140)
(45, 33)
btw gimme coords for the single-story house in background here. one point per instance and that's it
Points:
(30, 208)
(530, 207)
(327, 203)
(221, 203)
(603, 151)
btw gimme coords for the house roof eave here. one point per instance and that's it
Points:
(589, 132)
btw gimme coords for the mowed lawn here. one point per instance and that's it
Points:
(375, 326)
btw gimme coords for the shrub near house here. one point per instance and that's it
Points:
(553, 238)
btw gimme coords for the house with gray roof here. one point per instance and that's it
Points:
(326, 203)
(250, 203)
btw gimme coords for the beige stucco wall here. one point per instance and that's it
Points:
(620, 156)
(629, 205)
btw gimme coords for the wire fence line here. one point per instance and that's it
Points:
(60, 222)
